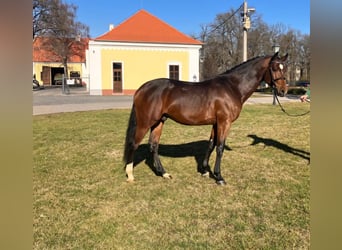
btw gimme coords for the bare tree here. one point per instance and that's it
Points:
(306, 57)
(39, 17)
(223, 44)
(56, 22)
(259, 38)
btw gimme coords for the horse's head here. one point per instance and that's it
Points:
(275, 75)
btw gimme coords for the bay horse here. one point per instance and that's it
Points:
(217, 101)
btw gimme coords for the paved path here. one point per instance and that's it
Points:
(52, 100)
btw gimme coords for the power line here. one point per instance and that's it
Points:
(223, 23)
(231, 16)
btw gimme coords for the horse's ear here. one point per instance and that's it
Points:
(275, 56)
(285, 57)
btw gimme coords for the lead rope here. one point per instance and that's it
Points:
(275, 93)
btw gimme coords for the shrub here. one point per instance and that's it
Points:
(296, 91)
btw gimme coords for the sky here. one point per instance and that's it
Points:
(187, 16)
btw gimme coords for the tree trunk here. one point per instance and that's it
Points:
(66, 73)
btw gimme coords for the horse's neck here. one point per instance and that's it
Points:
(250, 81)
(246, 92)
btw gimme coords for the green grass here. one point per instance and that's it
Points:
(82, 201)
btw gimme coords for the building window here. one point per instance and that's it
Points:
(174, 72)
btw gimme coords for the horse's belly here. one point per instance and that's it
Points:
(191, 115)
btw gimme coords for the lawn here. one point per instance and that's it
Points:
(82, 200)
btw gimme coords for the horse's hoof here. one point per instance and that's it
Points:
(221, 183)
(206, 175)
(130, 180)
(167, 176)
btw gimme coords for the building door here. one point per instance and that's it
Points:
(117, 77)
(45, 75)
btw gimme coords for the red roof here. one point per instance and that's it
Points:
(144, 27)
(42, 51)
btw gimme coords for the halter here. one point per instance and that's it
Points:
(275, 93)
(274, 81)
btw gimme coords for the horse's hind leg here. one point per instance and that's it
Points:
(139, 135)
(154, 146)
(205, 169)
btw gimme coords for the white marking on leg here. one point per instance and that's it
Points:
(206, 175)
(167, 176)
(129, 172)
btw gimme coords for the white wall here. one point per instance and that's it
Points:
(94, 68)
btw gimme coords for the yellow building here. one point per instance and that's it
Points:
(47, 65)
(141, 48)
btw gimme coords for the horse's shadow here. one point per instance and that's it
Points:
(286, 148)
(198, 150)
(195, 149)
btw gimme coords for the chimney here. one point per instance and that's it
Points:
(111, 26)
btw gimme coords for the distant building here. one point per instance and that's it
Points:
(47, 66)
(139, 49)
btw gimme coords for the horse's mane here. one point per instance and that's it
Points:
(239, 66)
(242, 64)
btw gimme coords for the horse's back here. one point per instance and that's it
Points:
(188, 103)
(164, 89)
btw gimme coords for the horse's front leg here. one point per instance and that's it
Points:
(154, 146)
(217, 168)
(222, 131)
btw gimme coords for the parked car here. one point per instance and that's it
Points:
(304, 84)
(58, 79)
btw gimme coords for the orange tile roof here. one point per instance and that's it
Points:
(144, 27)
(42, 51)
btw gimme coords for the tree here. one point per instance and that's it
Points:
(259, 37)
(39, 15)
(56, 22)
(222, 47)
(306, 56)
(221, 44)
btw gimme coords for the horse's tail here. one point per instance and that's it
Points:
(130, 137)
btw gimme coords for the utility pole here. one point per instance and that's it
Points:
(246, 20)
